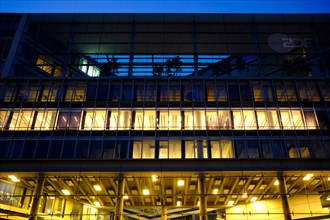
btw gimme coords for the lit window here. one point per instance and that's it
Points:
(21, 120)
(45, 120)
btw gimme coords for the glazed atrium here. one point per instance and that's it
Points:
(164, 116)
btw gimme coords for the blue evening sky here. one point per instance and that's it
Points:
(166, 6)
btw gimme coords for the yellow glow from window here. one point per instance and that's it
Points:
(14, 178)
(145, 192)
(97, 187)
(244, 195)
(308, 176)
(65, 192)
(215, 191)
(154, 178)
(125, 197)
(230, 203)
(276, 183)
(97, 204)
(180, 182)
(253, 199)
(178, 203)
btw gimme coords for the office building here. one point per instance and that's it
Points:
(164, 116)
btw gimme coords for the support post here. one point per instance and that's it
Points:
(202, 199)
(120, 199)
(164, 213)
(284, 198)
(37, 195)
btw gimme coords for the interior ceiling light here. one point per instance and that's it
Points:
(308, 176)
(145, 192)
(253, 199)
(97, 187)
(244, 195)
(328, 178)
(198, 203)
(65, 192)
(178, 203)
(276, 183)
(328, 198)
(125, 197)
(97, 204)
(215, 191)
(154, 178)
(14, 178)
(230, 203)
(180, 182)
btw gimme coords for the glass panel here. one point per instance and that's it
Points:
(221, 91)
(174, 120)
(174, 149)
(139, 91)
(249, 119)
(267, 119)
(310, 119)
(148, 151)
(212, 119)
(124, 122)
(198, 91)
(318, 149)
(69, 120)
(163, 150)
(49, 93)
(109, 149)
(69, 92)
(266, 149)
(21, 120)
(188, 120)
(240, 149)
(3, 119)
(253, 149)
(137, 150)
(149, 120)
(280, 92)
(45, 120)
(286, 119)
(215, 149)
(113, 120)
(138, 122)
(291, 91)
(190, 149)
(210, 91)
(297, 119)
(224, 119)
(79, 95)
(325, 90)
(150, 91)
(174, 91)
(238, 119)
(257, 88)
(95, 149)
(163, 91)
(199, 120)
(163, 120)
(95, 120)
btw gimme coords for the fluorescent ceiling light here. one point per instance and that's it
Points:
(66, 192)
(180, 182)
(97, 187)
(308, 176)
(145, 192)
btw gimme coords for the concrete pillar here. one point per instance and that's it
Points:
(202, 199)
(284, 198)
(164, 213)
(37, 195)
(120, 199)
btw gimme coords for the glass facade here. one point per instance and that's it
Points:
(114, 117)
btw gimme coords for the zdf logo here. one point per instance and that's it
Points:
(282, 43)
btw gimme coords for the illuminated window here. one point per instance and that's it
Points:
(267, 119)
(149, 120)
(280, 92)
(124, 122)
(144, 149)
(163, 120)
(199, 120)
(212, 119)
(3, 119)
(286, 119)
(170, 149)
(222, 149)
(89, 69)
(95, 120)
(21, 120)
(68, 120)
(224, 119)
(44, 63)
(188, 120)
(49, 93)
(190, 149)
(298, 151)
(210, 91)
(45, 120)
(297, 119)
